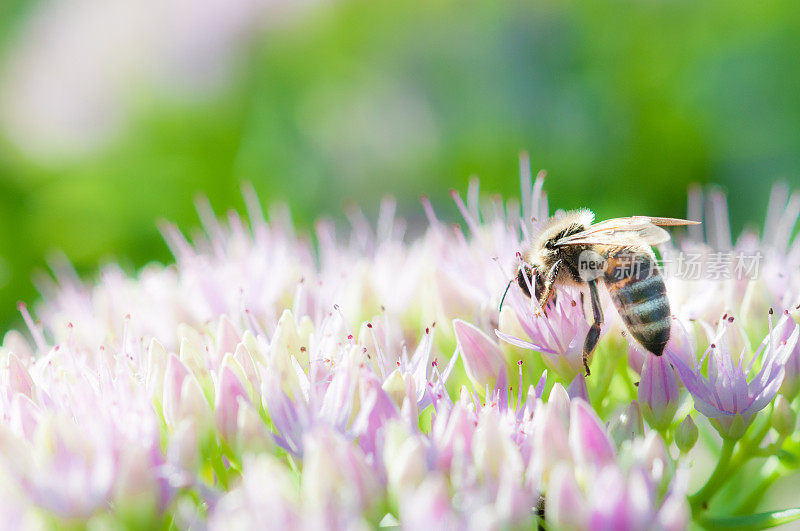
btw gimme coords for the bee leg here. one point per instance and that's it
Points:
(548, 286)
(594, 332)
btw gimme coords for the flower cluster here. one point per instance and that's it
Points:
(266, 380)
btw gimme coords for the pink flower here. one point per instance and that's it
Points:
(658, 392)
(228, 396)
(681, 343)
(266, 497)
(590, 444)
(559, 336)
(483, 359)
(592, 485)
(613, 499)
(724, 394)
(338, 485)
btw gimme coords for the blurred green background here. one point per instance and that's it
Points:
(116, 114)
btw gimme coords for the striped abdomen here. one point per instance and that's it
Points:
(637, 289)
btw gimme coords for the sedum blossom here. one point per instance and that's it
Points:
(559, 336)
(732, 391)
(593, 483)
(365, 379)
(658, 392)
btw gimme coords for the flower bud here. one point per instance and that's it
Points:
(227, 396)
(191, 350)
(404, 459)
(577, 388)
(156, 362)
(566, 503)
(395, 386)
(227, 337)
(251, 432)
(15, 342)
(136, 490)
(559, 402)
(176, 372)
(493, 451)
(286, 344)
(588, 438)
(658, 392)
(550, 437)
(686, 434)
(336, 476)
(628, 425)
(248, 365)
(19, 380)
(791, 378)
(783, 418)
(482, 357)
(183, 447)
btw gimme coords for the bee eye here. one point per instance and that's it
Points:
(549, 244)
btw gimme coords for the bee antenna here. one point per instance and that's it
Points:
(500, 309)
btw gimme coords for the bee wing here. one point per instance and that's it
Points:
(669, 222)
(635, 230)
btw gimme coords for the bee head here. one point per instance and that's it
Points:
(526, 276)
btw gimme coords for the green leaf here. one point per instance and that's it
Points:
(753, 521)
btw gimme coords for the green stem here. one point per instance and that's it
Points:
(751, 502)
(755, 440)
(729, 463)
(605, 374)
(220, 470)
(767, 451)
(753, 521)
(699, 499)
(230, 454)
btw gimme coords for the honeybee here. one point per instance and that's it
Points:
(570, 250)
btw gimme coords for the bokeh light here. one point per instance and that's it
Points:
(114, 115)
